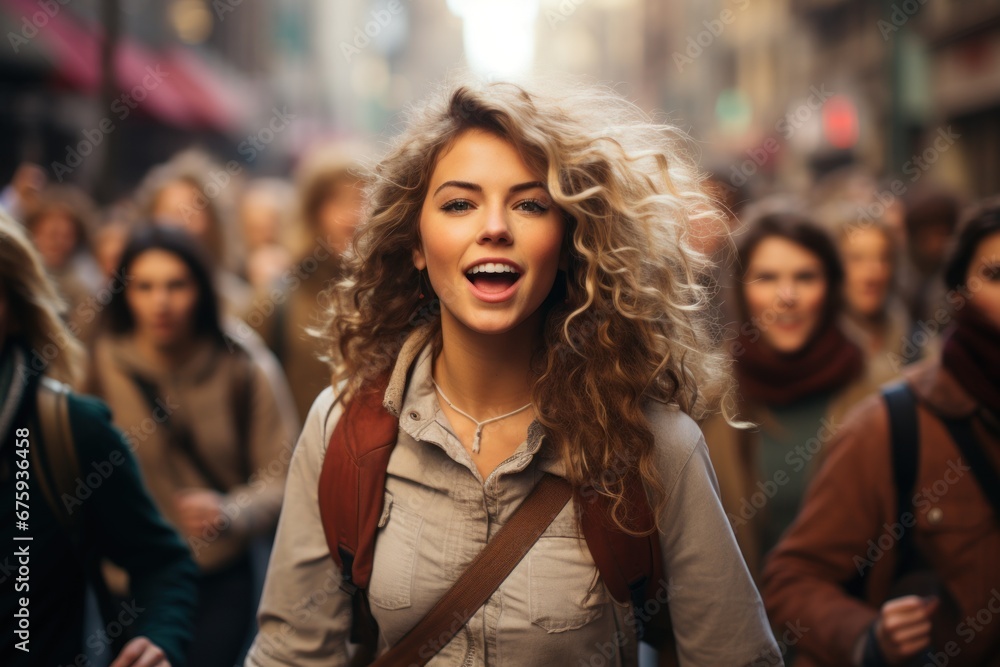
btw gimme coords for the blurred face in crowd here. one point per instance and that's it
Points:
(260, 214)
(340, 213)
(785, 292)
(867, 257)
(162, 296)
(108, 247)
(484, 202)
(181, 203)
(929, 245)
(985, 267)
(55, 236)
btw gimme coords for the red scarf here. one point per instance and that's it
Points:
(829, 362)
(971, 353)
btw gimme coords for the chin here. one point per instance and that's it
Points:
(489, 326)
(788, 345)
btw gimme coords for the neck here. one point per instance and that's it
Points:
(486, 374)
(164, 356)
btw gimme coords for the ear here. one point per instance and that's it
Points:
(419, 261)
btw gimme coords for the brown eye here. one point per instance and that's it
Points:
(531, 206)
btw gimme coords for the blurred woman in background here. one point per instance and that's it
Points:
(182, 193)
(874, 315)
(929, 571)
(330, 206)
(213, 424)
(265, 211)
(60, 227)
(795, 369)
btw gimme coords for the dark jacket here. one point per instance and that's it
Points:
(848, 524)
(121, 521)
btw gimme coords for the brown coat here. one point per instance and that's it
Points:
(847, 524)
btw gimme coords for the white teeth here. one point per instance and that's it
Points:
(490, 267)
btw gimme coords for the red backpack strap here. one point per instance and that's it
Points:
(351, 487)
(630, 565)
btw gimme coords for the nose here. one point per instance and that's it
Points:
(787, 293)
(495, 226)
(161, 297)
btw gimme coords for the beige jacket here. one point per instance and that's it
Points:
(199, 395)
(553, 609)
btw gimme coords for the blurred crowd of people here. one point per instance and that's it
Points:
(194, 301)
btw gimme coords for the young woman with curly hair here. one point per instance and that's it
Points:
(523, 278)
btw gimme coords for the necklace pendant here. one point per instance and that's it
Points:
(475, 441)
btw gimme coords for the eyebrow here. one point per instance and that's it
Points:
(465, 185)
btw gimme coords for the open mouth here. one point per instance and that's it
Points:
(493, 278)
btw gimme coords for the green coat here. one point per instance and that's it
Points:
(122, 524)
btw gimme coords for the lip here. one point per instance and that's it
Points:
(789, 326)
(494, 260)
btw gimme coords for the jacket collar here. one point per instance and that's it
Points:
(411, 398)
(415, 342)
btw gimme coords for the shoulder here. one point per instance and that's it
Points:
(85, 411)
(677, 438)
(94, 434)
(676, 434)
(321, 420)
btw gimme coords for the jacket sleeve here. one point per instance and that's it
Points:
(255, 505)
(702, 559)
(828, 544)
(131, 532)
(304, 618)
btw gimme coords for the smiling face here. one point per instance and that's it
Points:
(785, 291)
(867, 270)
(162, 296)
(491, 237)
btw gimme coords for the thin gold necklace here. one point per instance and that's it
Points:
(479, 424)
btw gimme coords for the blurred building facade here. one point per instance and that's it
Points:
(776, 92)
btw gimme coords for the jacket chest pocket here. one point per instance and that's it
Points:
(565, 588)
(396, 544)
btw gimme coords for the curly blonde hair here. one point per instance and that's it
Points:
(630, 322)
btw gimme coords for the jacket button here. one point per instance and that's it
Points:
(414, 415)
(934, 515)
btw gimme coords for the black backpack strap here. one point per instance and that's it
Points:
(904, 435)
(982, 468)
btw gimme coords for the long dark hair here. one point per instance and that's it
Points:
(802, 231)
(981, 221)
(118, 317)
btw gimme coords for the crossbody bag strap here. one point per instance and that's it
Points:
(179, 437)
(982, 468)
(483, 576)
